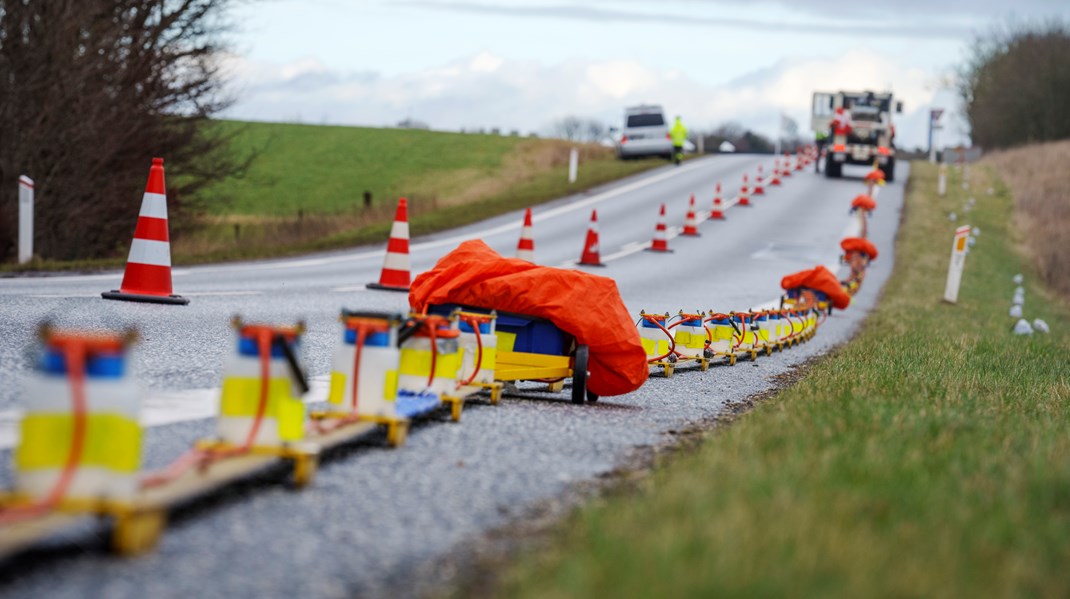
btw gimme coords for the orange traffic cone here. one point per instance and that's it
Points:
(525, 248)
(758, 183)
(776, 173)
(744, 193)
(661, 237)
(718, 209)
(691, 222)
(148, 268)
(590, 256)
(397, 268)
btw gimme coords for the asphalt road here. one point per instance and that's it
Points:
(376, 518)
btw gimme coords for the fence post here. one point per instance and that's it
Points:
(25, 219)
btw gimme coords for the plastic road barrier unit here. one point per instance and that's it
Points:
(80, 437)
(364, 376)
(429, 365)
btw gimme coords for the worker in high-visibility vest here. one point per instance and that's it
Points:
(821, 139)
(679, 136)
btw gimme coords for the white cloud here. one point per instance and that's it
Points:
(486, 90)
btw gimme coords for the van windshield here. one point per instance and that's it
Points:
(645, 120)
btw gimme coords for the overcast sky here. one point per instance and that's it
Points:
(522, 64)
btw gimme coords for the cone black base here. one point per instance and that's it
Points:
(387, 287)
(176, 300)
(589, 264)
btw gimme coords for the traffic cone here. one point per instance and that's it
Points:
(758, 190)
(525, 248)
(148, 268)
(661, 238)
(744, 193)
(787, 165)
(691, 223)
(798, 161)
(590, 256)
(397, 268)
(718, 210)
(776, 173)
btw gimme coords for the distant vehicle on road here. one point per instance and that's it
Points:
(645, 133)
(861, 133)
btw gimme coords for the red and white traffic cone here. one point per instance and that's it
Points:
(397, 267)
(787, 165)
(718, 209)
(691, 222)
(798, 161)
(776, 173)
(758, 190)
(148, 268)
(590, 255)
(661, 236)
(744, 192)
(525, 248)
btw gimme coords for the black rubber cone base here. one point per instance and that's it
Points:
(176, 300)
(387, 287)
(599, 265)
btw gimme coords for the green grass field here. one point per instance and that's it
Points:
(929, 457)
(304, 190)
(325, 169)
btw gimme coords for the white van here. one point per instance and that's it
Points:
(645, 133)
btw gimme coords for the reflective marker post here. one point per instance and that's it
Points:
(573, 164)
(958, 261)
(942, 185)
(25, 219)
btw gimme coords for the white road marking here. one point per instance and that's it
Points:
(416, 247)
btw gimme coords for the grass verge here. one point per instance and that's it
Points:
(304, 190)
(928, 457)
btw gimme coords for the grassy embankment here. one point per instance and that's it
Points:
(928, 457)
(304, 190)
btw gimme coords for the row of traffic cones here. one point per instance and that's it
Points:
(147, 277)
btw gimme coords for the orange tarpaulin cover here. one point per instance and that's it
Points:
(820, 279)
(586, 306)
(875, 175)
(864, 202)
(857, 244)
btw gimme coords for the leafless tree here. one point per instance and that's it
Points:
(90, 92)
(569, 127)
(1016, 83)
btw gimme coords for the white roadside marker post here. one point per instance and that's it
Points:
(25, 219)
(942, 185)
(958, 261)
(573, 164)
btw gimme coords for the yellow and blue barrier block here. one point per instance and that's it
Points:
(364, 367)
(260, 403)
(429, 365)
(658, 341)
(478, 341)
(80, 435)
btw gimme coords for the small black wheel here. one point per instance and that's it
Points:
(579, 375)
(591, 397)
